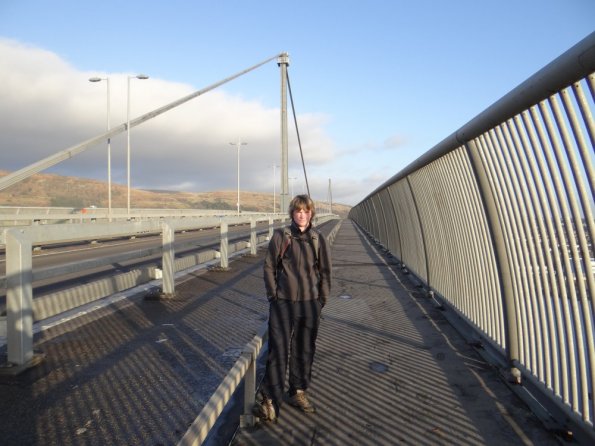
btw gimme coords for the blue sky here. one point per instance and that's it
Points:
(376, 83)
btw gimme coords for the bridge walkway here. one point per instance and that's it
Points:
(390, 370)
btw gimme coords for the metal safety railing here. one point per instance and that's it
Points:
(22, 309)
(498, 222)
(243, 369)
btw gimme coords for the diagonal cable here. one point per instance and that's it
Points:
(298, 134)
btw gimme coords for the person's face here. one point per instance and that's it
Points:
(302, 218)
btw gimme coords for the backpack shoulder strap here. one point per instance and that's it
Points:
(315, 244)
(286, 242)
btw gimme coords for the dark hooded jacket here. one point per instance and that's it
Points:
(298, 275)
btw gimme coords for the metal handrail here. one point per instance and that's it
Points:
(497, 221)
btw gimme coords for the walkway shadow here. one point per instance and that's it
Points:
(390, 370)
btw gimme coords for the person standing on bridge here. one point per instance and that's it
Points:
(297, 277)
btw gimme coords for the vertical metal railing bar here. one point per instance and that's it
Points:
(369, 216)
(591, 84)
(399, 247)
(446, 272)
(383, 221)
(490, 290)
(524, 243)
(579, 267)
(458, 242)
(518, 238)
(586, 198)
(412, 249)
(587, 115)
(479, 259)
(389, 216)
(435, 263)
(545, 216)
(512, 240)
(460, 285)
(520, 177)
(393, 233)
(485, 245)
(565, 238)
(556, 237)
(366, 216)
(585, 166)
(537, 219)
(490, 243)
(362, 215)
(485, 261)
(405, 225)
(488, 155)
(374, 219)
(422, 231)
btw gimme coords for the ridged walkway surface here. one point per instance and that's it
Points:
(390, 370)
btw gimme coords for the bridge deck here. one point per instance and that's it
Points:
(389, 368)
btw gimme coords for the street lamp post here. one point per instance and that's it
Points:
(238, 145)
(109, 149)
(138, 76)
(274, 187)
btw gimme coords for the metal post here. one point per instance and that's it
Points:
(167, 260)
(283, 62)
(238, 145)
(109, 158)
(109, 149)
(19, 298)
(142, 77)
(271, 227)
(252, 237)
(223, 250)
(502, 261)
(275, 188)
(128, 151)
(248, 419)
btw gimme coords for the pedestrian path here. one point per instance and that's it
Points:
(390, 370)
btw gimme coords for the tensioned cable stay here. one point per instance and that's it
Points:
(298, 134)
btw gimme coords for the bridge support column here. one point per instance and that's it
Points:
(283, 62)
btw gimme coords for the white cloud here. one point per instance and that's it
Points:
(46, 106)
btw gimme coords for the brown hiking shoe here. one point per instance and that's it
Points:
(300, 400)
(265, 410)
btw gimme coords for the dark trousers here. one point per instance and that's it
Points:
(293, 328)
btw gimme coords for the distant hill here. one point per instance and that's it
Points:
(62, 191)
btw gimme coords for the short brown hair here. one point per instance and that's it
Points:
(300, 202)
